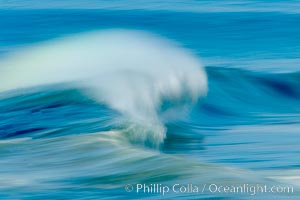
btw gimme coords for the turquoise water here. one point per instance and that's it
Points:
(99, 95)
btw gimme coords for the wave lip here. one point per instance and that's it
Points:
(133, 72)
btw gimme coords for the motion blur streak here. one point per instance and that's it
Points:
(95, 95)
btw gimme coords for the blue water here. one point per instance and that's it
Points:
(61, 141)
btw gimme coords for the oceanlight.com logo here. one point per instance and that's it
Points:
(248, 189)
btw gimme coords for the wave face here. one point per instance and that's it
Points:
(60, 130)
(137, 74)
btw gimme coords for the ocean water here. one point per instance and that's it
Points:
(99, 97)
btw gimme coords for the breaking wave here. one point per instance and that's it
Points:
(140, 75)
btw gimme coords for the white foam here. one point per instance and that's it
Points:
(131, 71)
